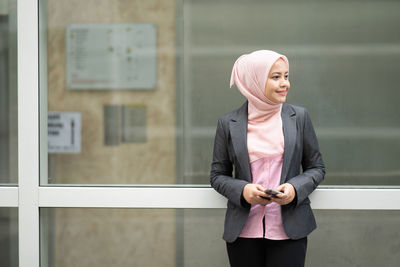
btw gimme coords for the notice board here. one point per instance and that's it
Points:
(111, 56)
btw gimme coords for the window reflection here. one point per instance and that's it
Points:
(9, 237)
(8, 92)
(110, 91)
(193, 237)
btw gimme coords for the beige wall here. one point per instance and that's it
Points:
(117, 238)
(90, 237)
(152, 162)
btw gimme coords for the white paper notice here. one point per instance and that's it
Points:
(64, 132)
(111, 56)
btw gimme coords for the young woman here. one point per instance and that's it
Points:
(266, 142)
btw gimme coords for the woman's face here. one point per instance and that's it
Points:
(277, 85)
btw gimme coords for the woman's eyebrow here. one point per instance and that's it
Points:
(277, 72)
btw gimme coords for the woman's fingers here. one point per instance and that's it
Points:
(281, 188)
(259, 187)
(287, 196)
(263, 198)
(250, 193)
(280, 199)
(254, 194)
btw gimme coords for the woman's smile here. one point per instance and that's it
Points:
(282, 92)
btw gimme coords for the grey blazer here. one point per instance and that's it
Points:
(301, 151)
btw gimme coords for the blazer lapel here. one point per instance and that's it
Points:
(238, 130)
(289, 133)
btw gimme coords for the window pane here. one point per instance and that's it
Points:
(192, 238)
(132, 237)
(355, 238)
(8, 93)
(108, 90)
(9, 237)
(342, 69)
(131, 92)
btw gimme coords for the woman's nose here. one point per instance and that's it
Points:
(284, 83)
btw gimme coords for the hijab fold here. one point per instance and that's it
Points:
(264, 127)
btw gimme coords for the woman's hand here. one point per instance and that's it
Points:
(288, 194)
(253, 194)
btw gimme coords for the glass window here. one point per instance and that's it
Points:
(108, 90)
(342, 69)
(8, 93)
(354, 238)
(131, 92)
(9, 237)
(132, 237)
(192, 238)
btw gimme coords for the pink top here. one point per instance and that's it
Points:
(266, 172)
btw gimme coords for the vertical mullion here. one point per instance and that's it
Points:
(42, 24)
(28, 131)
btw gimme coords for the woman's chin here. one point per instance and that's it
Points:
(279, 100)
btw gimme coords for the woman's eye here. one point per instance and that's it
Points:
(275, 77)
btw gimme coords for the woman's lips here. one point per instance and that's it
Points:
(283, 93)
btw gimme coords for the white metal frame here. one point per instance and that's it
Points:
(29, 197)
(9, 196)
(204, 198)
(28, 130)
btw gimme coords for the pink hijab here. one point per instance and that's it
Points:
(264, 126)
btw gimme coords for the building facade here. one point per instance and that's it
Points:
(108, 110)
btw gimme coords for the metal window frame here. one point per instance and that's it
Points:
(28, 133)
(9, 196)
(29, 196)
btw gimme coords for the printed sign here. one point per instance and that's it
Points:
(64, 132)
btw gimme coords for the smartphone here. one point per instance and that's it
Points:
(272, 192)
(267, 198)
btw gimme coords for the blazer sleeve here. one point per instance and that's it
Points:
(221, 170)
(312, 163)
